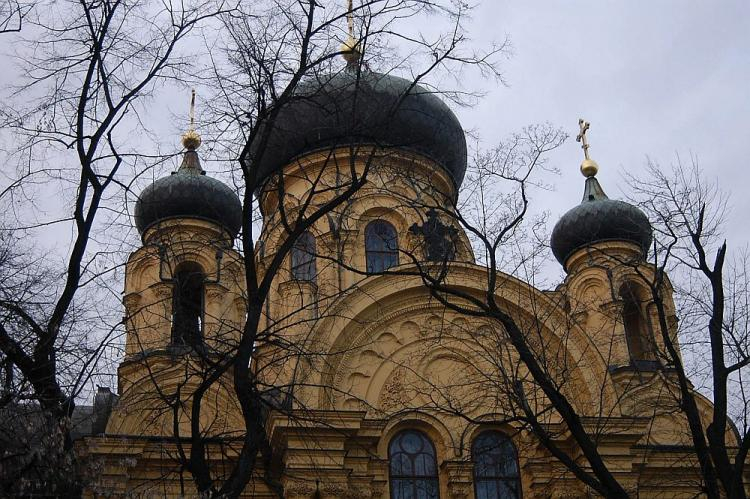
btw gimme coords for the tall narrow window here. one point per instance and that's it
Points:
(187, 305)
(413, 466)
(303, 258)
(637, 327)
(495, 467)
(381, 246)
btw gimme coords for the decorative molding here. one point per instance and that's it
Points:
(378, 488)
(162, 290)
(337, 489)
(303, 488)
(462, 490)
(240, 305)
(580, 317)
(612, 309)
(359, 491)
(345, 365)
(215, 291)
(132, 302)
(460, 479)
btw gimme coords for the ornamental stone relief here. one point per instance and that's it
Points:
(398, 391)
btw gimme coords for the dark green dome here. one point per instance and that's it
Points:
(597, 219)
(361, 107)
(189, 193)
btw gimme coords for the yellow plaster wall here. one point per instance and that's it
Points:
(377, 354)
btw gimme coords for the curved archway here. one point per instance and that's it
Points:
(377, 298)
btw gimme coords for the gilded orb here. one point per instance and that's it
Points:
(191, 140)
(350, 51)
(589, 167)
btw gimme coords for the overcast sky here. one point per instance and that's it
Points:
(655, 79)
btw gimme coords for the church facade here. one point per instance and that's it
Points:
(375, 386)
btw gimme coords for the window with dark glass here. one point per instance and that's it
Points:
(413, 466)
(187, 305)
(381, 246)
(303, 258)
(495, 467)
(637, 326)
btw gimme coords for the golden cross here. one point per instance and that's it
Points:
(192, 112)
(350, 49)
(584, 126)
(191, 139)
(350, 19)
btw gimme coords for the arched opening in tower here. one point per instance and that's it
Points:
(637, 325)
(188, 305)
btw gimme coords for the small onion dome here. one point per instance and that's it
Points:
(189, 193)
(357, 106)
(597, 219)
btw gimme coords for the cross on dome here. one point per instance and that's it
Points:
(350, 48)
(584, 126)
(589, 168)
(191, 139)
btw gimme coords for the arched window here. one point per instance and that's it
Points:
(303, 258)
(381, 246)
(413, 466)
(495, 467)
(187, 305)
(637, 327)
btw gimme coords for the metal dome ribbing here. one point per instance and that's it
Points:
(597, 219)
(189, 193)
(356, 106)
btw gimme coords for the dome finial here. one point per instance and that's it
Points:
(589, 166)
(191, 139)
(350, 48)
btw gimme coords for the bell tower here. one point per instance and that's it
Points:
(602, 244)
(184, 287)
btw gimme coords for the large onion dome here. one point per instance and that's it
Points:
(358, 106)
(598, 219)
(189, 193)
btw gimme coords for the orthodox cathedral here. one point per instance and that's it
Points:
(375, 386)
